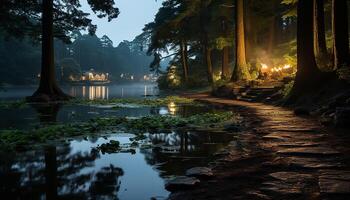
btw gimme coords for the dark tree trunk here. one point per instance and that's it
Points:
(225, 63)
(340, 33)
(319, 33)
(48, 88)
(51, 173)
(308, 76)
(206, 49)
(251, 34)
(225, 60)
(240, 71)
(184, 54)
(209, 64)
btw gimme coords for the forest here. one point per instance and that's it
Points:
(101, 54)
(212, 99)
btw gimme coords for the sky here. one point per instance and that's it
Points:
(134, 14)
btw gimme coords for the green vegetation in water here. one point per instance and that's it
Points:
(27, 138)
(13, 104)
(142, 102)
(161, 123)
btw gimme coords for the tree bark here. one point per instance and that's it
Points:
(240, 71)
(48, 88)
(209, 64)
(308, 75)
(225, 63)
(184, 54)
(225, 60)
(340, 33)
(319, 33)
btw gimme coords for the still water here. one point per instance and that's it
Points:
(135, 90)
(72, 170)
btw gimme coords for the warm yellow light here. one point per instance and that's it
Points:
(287, 66)
(264, 66)
(172, 108)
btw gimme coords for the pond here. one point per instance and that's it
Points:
(75, 170)
(134, 90)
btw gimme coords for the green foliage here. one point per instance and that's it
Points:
(23, 18)
(86, 52)
(292, 11)
(160, 123)
(13, 104)
(37, 136)
(154, 102)
(287, 88)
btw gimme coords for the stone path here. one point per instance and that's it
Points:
(281, 156)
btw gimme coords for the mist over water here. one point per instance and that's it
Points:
(133, 90)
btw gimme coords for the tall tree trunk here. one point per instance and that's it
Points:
(209, 64)
(308, 76)
(240, 71)
(48, 88)
(225, 60)
(206, 50)
(183, 49)
(225, 63)
(319, 33)
(340, 33)
(250, 38)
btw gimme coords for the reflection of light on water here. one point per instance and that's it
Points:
(172, 108)
(145, 90)
(163, 111)
(93, 92)
(84, 91)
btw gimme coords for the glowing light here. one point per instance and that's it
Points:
(172, 108)
(287, 66)
(264, 66)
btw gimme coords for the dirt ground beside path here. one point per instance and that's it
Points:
(279, 156)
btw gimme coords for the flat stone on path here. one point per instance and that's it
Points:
(199, 172)
(334, 182)
(309, 151)
(287, 183)
(291, 176)
(312, 163)
(182, 183)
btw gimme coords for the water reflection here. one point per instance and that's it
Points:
(89, 91)
(47, 113)
(74, 171)
(103, 92)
